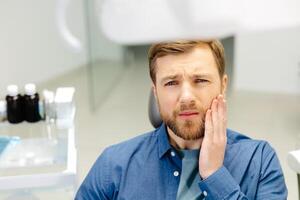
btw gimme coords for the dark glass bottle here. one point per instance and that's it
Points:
(31, 103)
(14, 104)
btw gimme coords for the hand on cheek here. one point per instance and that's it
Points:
(214, 142)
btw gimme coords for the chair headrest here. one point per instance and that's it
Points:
(153, 111)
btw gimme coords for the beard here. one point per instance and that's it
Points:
(186, 129)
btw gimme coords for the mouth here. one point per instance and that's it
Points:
(188, 114)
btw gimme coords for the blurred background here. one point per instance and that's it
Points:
(62, 43)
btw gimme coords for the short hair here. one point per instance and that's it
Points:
(182, 46)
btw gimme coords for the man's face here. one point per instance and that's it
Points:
(185, 86)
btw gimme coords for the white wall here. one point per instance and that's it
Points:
(31, 49)
(268, 61)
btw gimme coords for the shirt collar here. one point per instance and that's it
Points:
(164, 143)
(163, 140)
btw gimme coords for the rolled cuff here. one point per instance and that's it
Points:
(219, 185)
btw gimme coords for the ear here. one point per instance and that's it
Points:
(224, 85)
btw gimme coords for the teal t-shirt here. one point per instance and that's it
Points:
(189, 179)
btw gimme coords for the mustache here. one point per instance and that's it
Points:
(189, 106)
(192, 106)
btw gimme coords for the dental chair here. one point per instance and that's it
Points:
(153, 111)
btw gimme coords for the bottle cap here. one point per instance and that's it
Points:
(12, 90)
(30, 89)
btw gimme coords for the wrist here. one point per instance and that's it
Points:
(206, 174)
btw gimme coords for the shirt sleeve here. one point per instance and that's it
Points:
(271, 185)
(96, 185)
(214, 187)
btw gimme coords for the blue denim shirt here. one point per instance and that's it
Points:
(148, 168)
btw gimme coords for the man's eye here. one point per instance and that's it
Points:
(201, 81)
(170, 83)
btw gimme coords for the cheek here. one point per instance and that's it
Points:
(167, 104)
(205, 99)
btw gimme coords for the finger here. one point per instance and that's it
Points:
(208, 125)
(215, 121)
(221, 117)
(225, 110)
(225, 119)
(220, 106)
(224, 107)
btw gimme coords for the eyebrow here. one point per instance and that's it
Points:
(202, 76)
(176, 76)
(170, 77)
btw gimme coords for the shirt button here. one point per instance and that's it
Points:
(176, 173)
(204, 193)
(172, 153)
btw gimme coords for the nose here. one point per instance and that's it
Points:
(187, 94)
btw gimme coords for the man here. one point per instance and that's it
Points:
(192, 155)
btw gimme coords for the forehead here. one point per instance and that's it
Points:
(199, 60)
